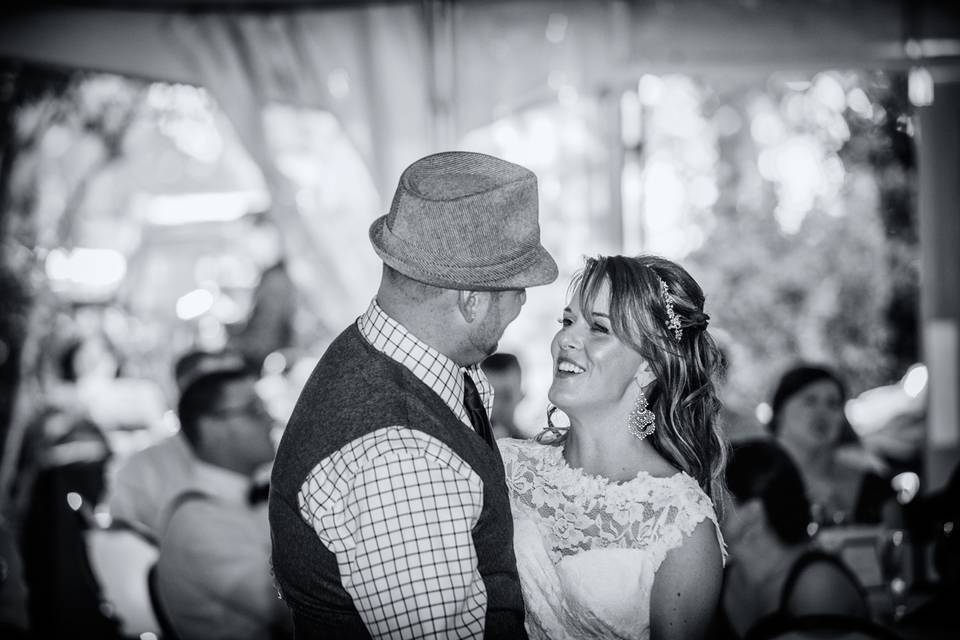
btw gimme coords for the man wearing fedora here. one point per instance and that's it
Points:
(388, 507)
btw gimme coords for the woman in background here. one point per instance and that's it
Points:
(844, 482)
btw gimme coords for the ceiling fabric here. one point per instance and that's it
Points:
(365, 65)
(378, 55)
(420, 74)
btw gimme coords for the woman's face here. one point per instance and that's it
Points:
(813, 416)
(592, 367)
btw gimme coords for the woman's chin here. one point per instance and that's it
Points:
(557, 398)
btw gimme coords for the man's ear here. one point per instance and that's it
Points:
(472, 304)
(644, 375)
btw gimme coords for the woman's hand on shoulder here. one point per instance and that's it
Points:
(686, 588)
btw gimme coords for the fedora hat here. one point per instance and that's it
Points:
(466, 221)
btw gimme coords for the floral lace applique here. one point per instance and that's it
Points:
(577, 511)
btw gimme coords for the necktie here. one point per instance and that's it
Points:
(475, 409)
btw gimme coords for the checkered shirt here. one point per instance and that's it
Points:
(397, 507)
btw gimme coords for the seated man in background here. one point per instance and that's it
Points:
(145, 483)
(213, 576)
(504, 373)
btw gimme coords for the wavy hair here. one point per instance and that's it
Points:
(684, 395)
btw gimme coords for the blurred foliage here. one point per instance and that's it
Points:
(47, 115)
(19, 90)
(841, 287)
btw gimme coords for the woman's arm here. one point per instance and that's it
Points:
(687, 587)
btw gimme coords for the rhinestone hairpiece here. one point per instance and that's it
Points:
(673, 320)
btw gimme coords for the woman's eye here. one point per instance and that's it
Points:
(599, 328)
(565, 322)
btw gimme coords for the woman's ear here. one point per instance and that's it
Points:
(644, 375)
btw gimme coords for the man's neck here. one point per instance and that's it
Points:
(427, 325)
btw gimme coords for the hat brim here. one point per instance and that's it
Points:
(533, 267)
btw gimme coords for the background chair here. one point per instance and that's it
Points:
(778, 627)
(166, 629)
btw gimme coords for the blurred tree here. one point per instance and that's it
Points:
(885, 144)
(47, 115)
(833, 279)
(19, 90)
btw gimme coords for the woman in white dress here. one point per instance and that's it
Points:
(615, 528)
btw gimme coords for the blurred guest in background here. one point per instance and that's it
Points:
(504, 373)
(144, 485)
(844, 482)
(934, 521)
(14, 623)
(91, 369)
(773, 569)
(65, 599)
(270, 325)
(213, 577)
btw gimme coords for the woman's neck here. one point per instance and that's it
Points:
(815, 460)
(606, 447)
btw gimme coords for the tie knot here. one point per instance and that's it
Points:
(471, 396)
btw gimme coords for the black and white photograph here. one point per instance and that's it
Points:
(492, 319)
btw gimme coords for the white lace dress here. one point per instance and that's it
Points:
(588, 548)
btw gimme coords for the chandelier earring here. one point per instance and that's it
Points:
(641, 420)
(553, 433)
(551, 411)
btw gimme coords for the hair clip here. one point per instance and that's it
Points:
(673, 320)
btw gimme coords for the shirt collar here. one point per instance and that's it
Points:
(221, 483)
(437, 371)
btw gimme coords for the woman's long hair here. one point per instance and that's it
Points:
(684, 395)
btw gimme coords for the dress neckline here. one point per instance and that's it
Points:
(569, 473)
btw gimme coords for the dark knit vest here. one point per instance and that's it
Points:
(355, 390)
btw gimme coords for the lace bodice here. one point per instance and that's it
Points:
(588, 548)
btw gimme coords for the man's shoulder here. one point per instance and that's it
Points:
(349, 354)
(198, 519)
(170, 458)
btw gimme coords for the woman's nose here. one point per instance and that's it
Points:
(567, 339)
